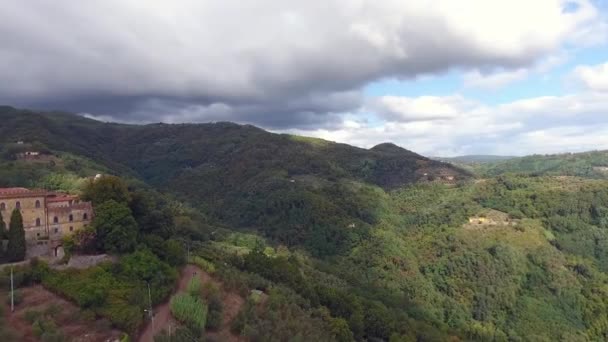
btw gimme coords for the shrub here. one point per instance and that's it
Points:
(189, 310)
(207, 266)
(31, 316)
(194, 286)
(216, 307)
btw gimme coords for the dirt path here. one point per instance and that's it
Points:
(163, 320)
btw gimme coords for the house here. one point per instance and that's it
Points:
(47, 216)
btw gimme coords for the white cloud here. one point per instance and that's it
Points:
(496, 80)
(550, 124)
(423, 108)
(594, 77)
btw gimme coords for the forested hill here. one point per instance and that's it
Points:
(241, 175)
(158, 152)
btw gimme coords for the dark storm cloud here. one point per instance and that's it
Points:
(272, 63)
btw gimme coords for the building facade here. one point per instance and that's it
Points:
(47, 216)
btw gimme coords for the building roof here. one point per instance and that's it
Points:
(55, 197)
(10, 191)
(20, 192)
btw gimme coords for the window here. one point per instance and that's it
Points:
(18, 205)
(71, 217)
(71, 228)
(55, 219)
(37, 234)
(37, 222)
(2, 206)
(56, 230)
(37, 204)
(85, 216)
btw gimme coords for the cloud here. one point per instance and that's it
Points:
(548, 124)
(423, 108)
(594, 77)
(499, 78)
(274, 63)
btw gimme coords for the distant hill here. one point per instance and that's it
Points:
(474, 159)
(587, 164)
(241, 175)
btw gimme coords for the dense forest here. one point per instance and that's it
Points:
(348, 243)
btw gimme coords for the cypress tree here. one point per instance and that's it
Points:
(3, 233)
(16, 238)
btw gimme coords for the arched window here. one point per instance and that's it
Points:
(85, 216)
(37, 222)
(2, 206)
(55, 219)
(71, 217)
(18, 205)
(37, 204)
(71, 228)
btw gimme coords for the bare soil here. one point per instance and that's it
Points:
(69, 318)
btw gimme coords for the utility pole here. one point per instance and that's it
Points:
(188, 244)
(150, 311)
(12, 292)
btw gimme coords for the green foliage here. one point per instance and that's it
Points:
(15, 250)
(194, 286)
(106, 188)
(190, 311)
(115, 227)
(215, 308)
(207, 266)
(174, 253)
(118, 292)
(284, 320)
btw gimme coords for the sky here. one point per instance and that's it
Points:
(439, 77)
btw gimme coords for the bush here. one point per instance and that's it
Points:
(207, 266)
(194, 286)
(216, 307)
(190, 311)
(32, 316)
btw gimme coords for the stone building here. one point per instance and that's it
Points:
(47, 216)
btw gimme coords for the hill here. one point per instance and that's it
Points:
(296, 190)
(347, 243)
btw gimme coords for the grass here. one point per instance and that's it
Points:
(189, 310)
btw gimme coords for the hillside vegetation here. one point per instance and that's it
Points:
(346, 243)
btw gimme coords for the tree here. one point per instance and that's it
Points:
(174, 253)
(115, 227)
(106, 188)
(3, 232)
(16, 237)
